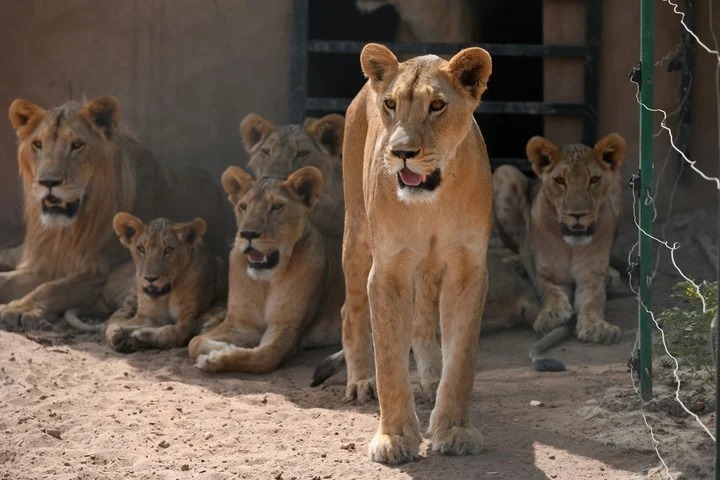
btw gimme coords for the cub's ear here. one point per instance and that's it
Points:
(192, 232)
(25, 117)
(378, 64)
(253, 130)
(328, 132)
(610, 151)
(236, 182)
(542, 153)
(307, 183)
(470, 70)
(103, 114)
(127, 227)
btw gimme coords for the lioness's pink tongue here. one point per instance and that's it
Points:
(255, 256)
(409, 177)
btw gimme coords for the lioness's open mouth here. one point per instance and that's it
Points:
(156, 290)
(409, 179)
(261, 261)
(52, 205)
(577, 230)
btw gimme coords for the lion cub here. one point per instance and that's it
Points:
(176, 280)
(564, 226)
(285, 277)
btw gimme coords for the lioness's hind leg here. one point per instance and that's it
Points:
(511, 206)
(425, 334)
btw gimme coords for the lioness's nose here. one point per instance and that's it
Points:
(150, 279)
(249, 234)
(49, 183)
(405, 154)
(576, 216)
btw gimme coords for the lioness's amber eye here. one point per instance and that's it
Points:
(76, 145)
(437, 105)
(243, 206)
(37, 145)
(303, 153)
(168, 250)
(389, 104)
(594, 180)
(141, 249)
(560, 180)
(277, 206)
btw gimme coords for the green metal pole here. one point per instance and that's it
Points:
(646, 173)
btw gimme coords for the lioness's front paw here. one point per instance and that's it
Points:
(593, 328)
(428, 388)
(362, 390)
(394, 449)
(457, 441)
(211, 362)
(548, 320)
(15, 315)
(122, 340)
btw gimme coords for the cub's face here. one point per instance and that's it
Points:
(426, 105)
(271, 215)
(161, 250)
(61, 154)
(576, 180)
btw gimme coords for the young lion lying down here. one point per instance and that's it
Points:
(177, 280)
(286, 283)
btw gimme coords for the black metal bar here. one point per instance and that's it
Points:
(687, 53)
(522, 108)
(593, 29)
(299, 61)
(420, 48)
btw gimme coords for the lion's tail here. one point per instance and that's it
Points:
(72, 319)
(328, 367)
(541, 364)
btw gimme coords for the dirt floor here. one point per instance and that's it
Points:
(71, 408)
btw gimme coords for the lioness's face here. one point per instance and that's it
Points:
(278, 151)
(59, 155)
(576, 180)
(161, 250)
(426, 105)
(271, 215)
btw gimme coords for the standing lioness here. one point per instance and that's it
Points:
(418, 215)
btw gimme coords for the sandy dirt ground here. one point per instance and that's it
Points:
(71, 408)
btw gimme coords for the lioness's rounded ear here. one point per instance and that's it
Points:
(103, 114)
(235, 181)
(254, 129)
(470, 70)
(25, 117)
(307, 183)
(127, 227)
(542, 153)
(610, 151)
(328, 132)
(378, 64)
(192, 232)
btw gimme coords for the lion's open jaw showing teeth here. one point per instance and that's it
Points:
(259, 260)
(52, 205)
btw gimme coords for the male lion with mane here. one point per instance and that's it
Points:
(286, 284)
(78, 169)
(418, 200)
(564, 226)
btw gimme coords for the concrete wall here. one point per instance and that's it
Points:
(185, 71)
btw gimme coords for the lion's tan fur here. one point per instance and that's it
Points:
(172, 256)
(66, 263)
(578, 192)
(402, 244)
(277, 151)
(272, 311)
